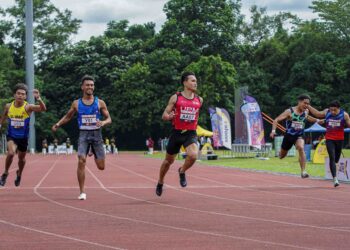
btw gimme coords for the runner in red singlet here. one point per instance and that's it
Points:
(183, 110)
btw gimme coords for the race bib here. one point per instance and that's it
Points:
(17, 123)
(187, 117)
(334, 123)
(88, 120)
(297, 125)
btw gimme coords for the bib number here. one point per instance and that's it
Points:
(297, 125)
(88, 120)
(17, 123)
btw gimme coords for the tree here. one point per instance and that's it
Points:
(197, 28)
(52, 29)
(335, 15)
(216, 83)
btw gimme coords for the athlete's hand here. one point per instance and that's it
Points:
(171, 115)
(321, 121)
(100, 123)
(55, 127)
(272, 134)
(36, 94)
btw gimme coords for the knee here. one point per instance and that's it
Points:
(192, 156)
(168, 162)
(10, 154)
(101, 166)
(22, 160)
(82, 161)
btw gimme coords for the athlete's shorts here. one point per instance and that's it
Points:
(91, 139)
(289, 141)
(179, 138)
(21, 143)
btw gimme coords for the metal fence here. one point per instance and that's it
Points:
(246, 151)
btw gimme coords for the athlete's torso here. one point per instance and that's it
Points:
(335, 126)
(186, 112)
(88, 115)
(295, 126)
(18, 121)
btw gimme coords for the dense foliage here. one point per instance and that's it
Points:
(137, 69)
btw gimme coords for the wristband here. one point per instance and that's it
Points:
(273, 131)
(317, 120)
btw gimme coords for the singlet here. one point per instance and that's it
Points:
(18, 122)
(296, 125)
(186, 112)
(335, 126)
(88, 115)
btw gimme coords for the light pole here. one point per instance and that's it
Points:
(30, 68)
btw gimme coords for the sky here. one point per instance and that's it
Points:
(95, 14)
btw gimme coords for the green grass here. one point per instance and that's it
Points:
(289, 165)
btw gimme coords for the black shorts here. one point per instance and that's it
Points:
(179, 138)
(289, 141)
(22, 143)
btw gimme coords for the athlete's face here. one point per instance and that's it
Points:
(20, 95)
(304, 104)
(334, 110)
(191, 83)
(88, 87)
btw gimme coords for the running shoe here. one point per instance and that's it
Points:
(304, 175)
(3, 179)
(82, 196)
(18, 179)
(336, 182)
(159, 189)
(182, 177)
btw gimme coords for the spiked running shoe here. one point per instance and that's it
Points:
(159, 189)
(182, 177)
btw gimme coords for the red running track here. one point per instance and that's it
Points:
(222, 208)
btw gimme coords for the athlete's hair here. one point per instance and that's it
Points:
(20, 86)
(334, 104)
(185, 76)
(87, 78)
(303, 97)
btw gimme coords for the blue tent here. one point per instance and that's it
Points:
(315, 128)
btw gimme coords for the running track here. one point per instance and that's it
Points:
(222, 208)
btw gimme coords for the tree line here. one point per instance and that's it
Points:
(137, 69)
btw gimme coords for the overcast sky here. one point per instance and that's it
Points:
(96, 13)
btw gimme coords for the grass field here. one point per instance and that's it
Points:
(288, 165)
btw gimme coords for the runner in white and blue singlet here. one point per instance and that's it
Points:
(90, 109)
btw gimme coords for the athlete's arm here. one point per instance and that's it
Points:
(4, 115)
(316, 113)
(73, 109)
(36, 108)
(105, 113)
(286, 114)
(347, 119)
(312, 119)
(168, 113)
(201, 99)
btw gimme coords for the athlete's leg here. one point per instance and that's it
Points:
(21, 162)
(11, 152)
(299, 144)
(169, 159)
(338, 150)
(191, 157)
(283, 153)
(330, 144)
(81, 172)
